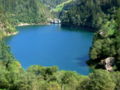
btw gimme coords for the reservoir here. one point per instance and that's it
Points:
(51, 45)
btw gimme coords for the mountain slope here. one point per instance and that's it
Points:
(105, 51)
(26, 11)
(51, 4)
(89, 13)
(60, 6)
(6, 27)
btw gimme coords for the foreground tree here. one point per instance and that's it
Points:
(98, 80)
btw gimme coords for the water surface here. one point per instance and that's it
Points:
(50, 45)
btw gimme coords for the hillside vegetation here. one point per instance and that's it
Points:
(89, 13)
(106, 44)
(59, 7)
(6, 27)
(25, 11)
(51, 4)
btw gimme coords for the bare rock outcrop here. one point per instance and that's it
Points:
(108, 63)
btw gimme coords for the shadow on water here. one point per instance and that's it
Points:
(80, 29)
(82, 61)
(8, 39)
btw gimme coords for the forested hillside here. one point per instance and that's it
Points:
(58, 9)
(55, 6)
(105, 52)
(89, 13)
(25, 11)
(52, 3)
(6, 27)
(60, 6)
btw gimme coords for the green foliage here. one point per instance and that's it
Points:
(108, 28)
(59, 7)
(98, 80)
(26, 11)
(116, 79)
(53, 86)
(6, 28)
(118, 18)
(106, 44)
(103, 44)
(51, 4)
(88, 13)
(46, 72)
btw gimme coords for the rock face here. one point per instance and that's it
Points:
(55, 21)
(109, 63)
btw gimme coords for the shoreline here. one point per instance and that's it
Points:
(28, 24)
(11, 34)
(23, 24)
(20, 25)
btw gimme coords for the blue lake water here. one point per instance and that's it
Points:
(51, 45)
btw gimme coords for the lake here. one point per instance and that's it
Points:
(51, 45)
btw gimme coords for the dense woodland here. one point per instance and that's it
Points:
(88, 13)
(106, 44)
(6, 27)
(52, 3)
(55, 6)
(105, 17)
(25, 11)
